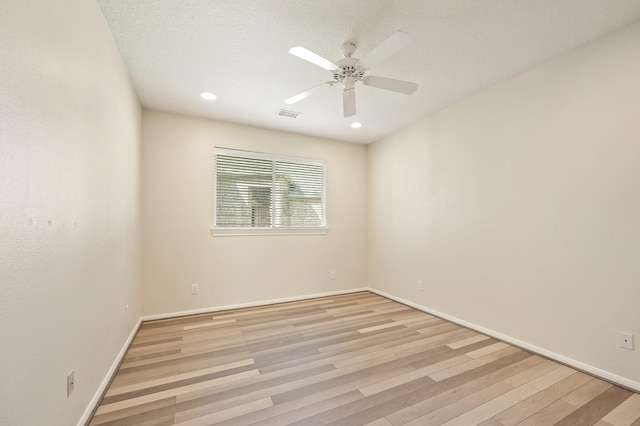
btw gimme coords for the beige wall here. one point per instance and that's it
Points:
(520, 207)
(178, 249)
(69, 208)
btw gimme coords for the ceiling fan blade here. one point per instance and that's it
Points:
(300, 96)
(399, 86)
(396, 42)
(349, 101)
(314, 58)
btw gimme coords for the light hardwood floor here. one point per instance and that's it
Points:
(357, 359)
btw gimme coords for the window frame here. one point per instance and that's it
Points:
(323, 229)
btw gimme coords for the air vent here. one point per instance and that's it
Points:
(290, 114)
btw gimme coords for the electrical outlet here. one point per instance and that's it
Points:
(332, 275)
(194, 289)
(420, 285)
(625, 340)
(126, 312)
(71, 382)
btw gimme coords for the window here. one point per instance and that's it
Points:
(261, 193)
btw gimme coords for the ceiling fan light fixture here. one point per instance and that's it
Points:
(208, 96)
(356, 125)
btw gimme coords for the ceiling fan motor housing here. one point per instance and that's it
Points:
(349, 67)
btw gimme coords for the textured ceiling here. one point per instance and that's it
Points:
(174, 50)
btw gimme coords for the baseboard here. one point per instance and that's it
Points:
(595, 371)
(606, 375)
(107, 379)
(250, 304)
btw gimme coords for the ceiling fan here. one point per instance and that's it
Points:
(350, 70)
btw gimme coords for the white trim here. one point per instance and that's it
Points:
(251, 304)
(107, 379)
(607, 375)
(226, 232)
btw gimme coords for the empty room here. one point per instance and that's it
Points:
(318, 212)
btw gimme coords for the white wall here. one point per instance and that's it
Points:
(69, 208)
(177, 211)
(520, 207)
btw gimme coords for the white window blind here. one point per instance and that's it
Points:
(263, 193)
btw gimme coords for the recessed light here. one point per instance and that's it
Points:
(208, 96)
(356, 125)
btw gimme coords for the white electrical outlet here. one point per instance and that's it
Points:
(126, 312)
(625, 340)
(420, 285)
(194, 289)
(332, 275)
(71, 382)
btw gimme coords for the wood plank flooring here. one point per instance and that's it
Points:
(357, 359)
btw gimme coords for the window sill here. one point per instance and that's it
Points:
(230, 232)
